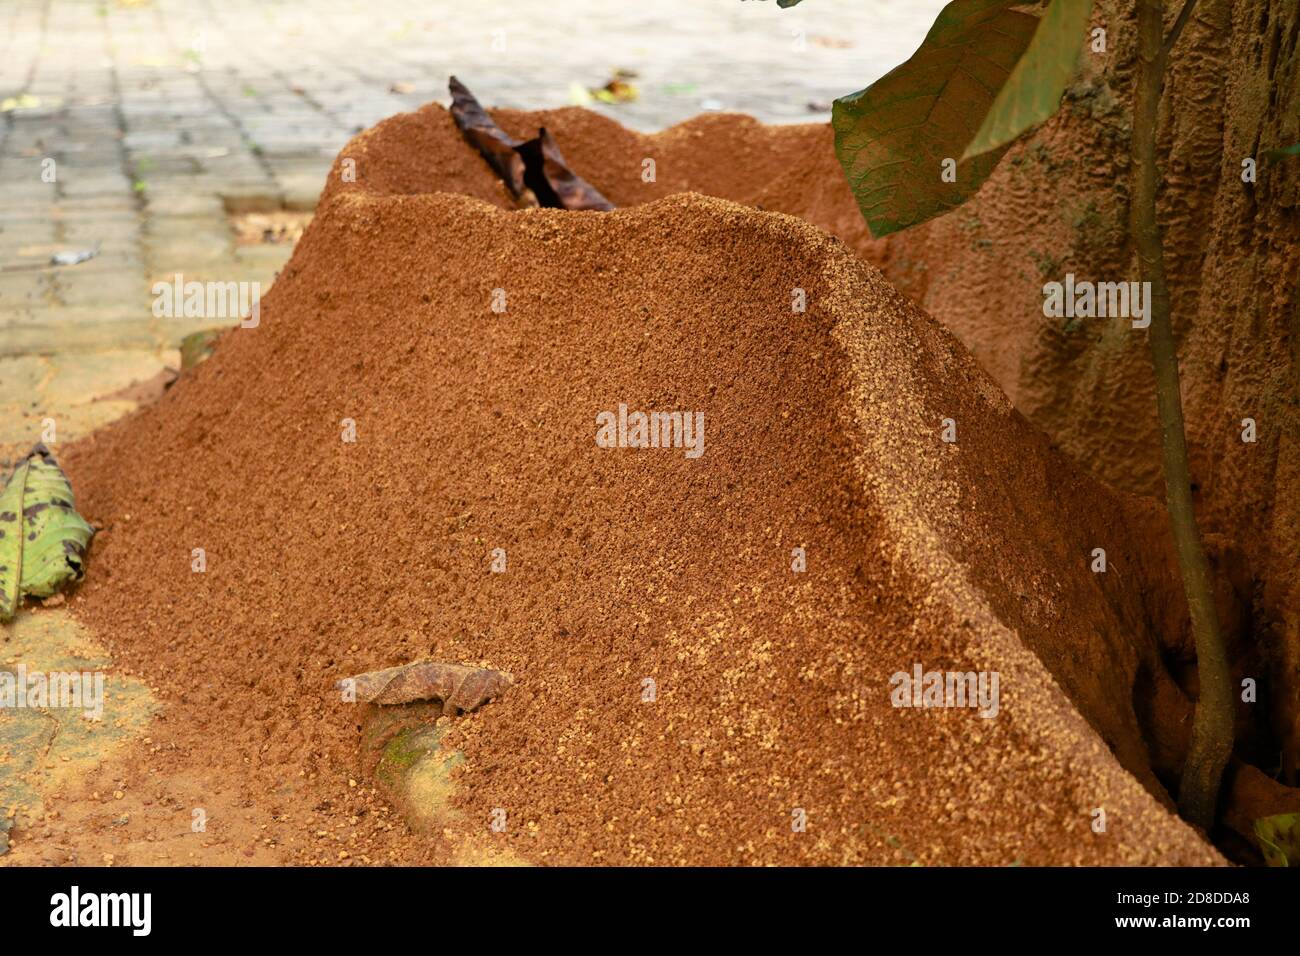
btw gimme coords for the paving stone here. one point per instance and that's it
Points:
(90, 289)
(203, 244)
(103, 184)
(205, 105)
(268, 258)
(24, 290)
(302, 190)
(86, 204)
(57, 336)
(76, 230)
(185, 205)
(252, 198)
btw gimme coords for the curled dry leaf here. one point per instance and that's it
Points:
(552, 181)
(534, 170)
(456, 685)
(479, 129)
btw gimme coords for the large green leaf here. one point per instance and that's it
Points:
(893, 137)
(1032, 92)
(43, 540)
(1279, 838)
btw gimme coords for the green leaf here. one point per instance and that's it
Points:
(197, 347)
(11, 539)
(43, 540)
(1032, 92)
(1283, 153)
(892, 137)
(1279, 838)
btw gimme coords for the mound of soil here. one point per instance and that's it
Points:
(476, 430)
(1057, 203)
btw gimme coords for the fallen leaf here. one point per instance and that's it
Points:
(197, 347)
(618, 89)
(458, 686)
(1279, 838)
(551, 180)
(482, 132)
(43, 540)
(533, 170)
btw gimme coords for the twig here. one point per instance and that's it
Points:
(1184, 15)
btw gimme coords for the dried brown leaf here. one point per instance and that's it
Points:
(551, 179)
(534, 170)
(458, 686)
(482, 132)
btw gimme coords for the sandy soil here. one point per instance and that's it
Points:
(475, 431)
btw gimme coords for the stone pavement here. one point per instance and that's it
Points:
(137, 128)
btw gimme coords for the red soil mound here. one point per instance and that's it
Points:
(476, 430)
(980, 272)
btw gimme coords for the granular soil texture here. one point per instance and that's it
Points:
(681, 694)
(790, 169)
(1051, 207)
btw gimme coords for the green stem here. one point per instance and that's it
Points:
(1212, 726)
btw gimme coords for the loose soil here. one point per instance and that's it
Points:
(475, 431)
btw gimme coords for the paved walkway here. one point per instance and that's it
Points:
(137, 127)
